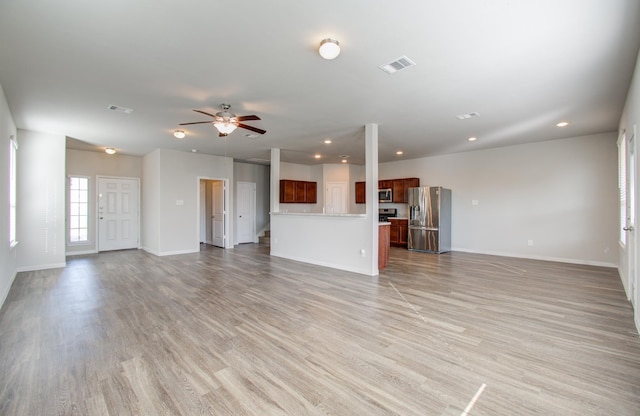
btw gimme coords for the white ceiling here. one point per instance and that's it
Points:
(523, 65)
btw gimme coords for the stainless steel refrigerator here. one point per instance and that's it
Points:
(430, 219)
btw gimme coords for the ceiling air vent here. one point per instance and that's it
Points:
(399, 64)
(120, 109)
(467, 116)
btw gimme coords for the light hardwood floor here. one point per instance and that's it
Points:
(237, 332)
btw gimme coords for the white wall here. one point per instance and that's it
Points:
(8, 258)
(171, 182)
(342, 242)
(326, 240)
(92, 164)
(150, 210)
(41, 210)
(562, 194)
(630, 122)
(259, 174)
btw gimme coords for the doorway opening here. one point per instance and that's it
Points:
(212, 213)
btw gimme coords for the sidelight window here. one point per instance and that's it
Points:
(78, 209)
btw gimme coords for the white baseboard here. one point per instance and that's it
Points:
(544, 258)
(42, 267)
(5, 291)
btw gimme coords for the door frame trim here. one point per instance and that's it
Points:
(97, 208)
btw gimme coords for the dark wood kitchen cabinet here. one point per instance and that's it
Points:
(383, 246)
(311, 192)
(398, 232)
(361, 192)
(400, 189)
(298, 192)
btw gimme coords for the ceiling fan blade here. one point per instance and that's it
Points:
(257, 130)
(196, 122)
(251, 117)
(205, 113)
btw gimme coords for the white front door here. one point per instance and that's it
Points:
(118, 213)
(245, 205)
(217, 214)
(336, 198)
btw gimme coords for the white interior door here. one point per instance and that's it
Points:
(336, 198)
(630, 228)
(245, 206)
(118, 213)
(217, 214)
(203, 212)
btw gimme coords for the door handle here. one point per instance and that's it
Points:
(628, 228)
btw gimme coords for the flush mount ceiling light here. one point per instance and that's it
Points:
(472, 139)
(179, 134)
(110, 150)
(329, 49)
(563, 124)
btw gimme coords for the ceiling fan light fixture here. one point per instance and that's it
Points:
(110, 151)
(225, 126)
(329, 48)
(179, 134)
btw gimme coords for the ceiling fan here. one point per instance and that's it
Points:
(226, 122)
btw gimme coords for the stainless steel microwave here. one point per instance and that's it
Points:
(385, 195)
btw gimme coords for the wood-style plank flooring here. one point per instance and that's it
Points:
(237, 332)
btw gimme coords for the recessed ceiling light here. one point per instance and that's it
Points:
(472, 139)
(179, 134)
(399, 152)
(110, 150)
(327, 141)
(317, 156)
(344, 160)
(563, 124)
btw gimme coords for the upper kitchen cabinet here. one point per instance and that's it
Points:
(385, 184)
(401, 189)
(298, 192)
(361, 192)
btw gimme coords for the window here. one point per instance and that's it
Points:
(13, 161)
(78, 209)
(622, 186)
